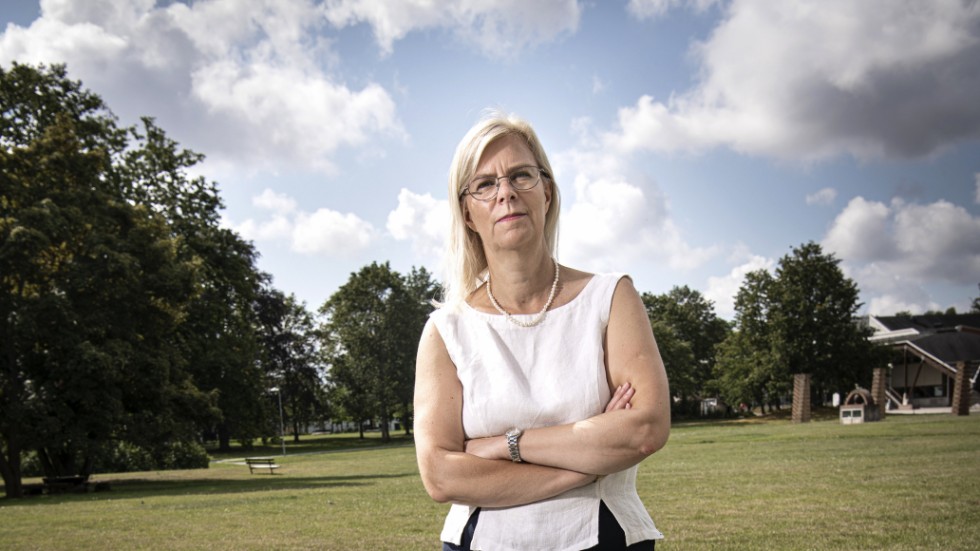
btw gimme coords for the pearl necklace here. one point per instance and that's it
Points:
(540, 316)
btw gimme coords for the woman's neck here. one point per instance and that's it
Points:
(521, 283)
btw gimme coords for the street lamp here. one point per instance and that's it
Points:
(282, 425)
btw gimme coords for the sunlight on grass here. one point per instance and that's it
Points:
(905, 483)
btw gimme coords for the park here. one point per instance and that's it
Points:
(908, 482)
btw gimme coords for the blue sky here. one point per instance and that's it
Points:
(692, 141)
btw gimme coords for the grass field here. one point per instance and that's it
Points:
(905, 483)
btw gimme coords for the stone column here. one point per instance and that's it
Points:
(878, 390)
(801, 398)
(961, 391)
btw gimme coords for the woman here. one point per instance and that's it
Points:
(539, 388)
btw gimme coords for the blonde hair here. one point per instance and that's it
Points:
(465, 260)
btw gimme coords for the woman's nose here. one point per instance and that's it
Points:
(504, 189)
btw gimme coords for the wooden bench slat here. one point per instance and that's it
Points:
(261, 463)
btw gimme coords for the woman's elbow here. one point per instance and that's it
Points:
(436, 492)
(652, 437)
(436, 485)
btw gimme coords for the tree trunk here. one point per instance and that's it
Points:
(224, 438)
(386, 429)
(10, 469)
(406, 419)
(360, 427)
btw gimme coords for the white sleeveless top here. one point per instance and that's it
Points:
(549, 374)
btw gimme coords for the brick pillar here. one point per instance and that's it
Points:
(961, 391)
(801, 398)
(878, 390)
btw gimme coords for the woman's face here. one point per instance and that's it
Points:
(513, 218)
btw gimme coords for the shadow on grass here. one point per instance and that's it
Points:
(137, 488)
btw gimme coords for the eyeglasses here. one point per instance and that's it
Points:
(522, 178)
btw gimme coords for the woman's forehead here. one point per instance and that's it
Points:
(513, 146)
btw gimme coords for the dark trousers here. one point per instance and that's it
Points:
(611, 535)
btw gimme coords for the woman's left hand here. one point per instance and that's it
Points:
(621, 398)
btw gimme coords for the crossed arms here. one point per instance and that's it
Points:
(635, 423)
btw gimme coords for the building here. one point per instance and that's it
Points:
(927, 353)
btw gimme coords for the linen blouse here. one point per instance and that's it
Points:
(551, 374)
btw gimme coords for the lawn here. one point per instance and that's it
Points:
(910, 482)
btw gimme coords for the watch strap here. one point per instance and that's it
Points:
(512, 446)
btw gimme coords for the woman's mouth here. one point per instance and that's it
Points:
(510, 217)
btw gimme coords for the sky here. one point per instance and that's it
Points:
(692, 142)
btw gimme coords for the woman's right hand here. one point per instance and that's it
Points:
(620, 399)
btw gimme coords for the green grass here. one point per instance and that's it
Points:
(904, 483)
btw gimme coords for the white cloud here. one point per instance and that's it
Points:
(248, 75)
(893, 251)
(330, 233)
(611, 222)
(976, 196)
(862, 232)
(499, 28)
(648, 9)
(422, 220)
(824, 196)
(722, 290)
(276, 202)
(808, 80)
(323, 232)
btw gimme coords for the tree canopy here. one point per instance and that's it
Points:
(687, 331)
(370, 335)
(802, 320)
(126, 312)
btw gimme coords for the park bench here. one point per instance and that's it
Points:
(261, 463)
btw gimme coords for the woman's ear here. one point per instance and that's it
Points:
(466, 217)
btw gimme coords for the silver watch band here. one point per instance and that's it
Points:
(515, 451)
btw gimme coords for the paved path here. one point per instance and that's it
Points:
(241, 460)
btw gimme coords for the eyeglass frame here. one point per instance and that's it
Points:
(497, 179)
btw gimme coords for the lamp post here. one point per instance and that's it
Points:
(282, 425)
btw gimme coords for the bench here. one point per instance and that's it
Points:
(261, 463)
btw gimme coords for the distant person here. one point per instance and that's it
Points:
(539, 388)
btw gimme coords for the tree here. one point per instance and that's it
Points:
(975, 307)
(677, 357)
(423, 291)
(692, 320)
(746, 370)
(127, 314)
(372, 328)
(290, 356)
(812, 313)
(92, 289)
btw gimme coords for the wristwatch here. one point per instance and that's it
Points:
(515, 451)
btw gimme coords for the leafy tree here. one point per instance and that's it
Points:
(677, 357)
(92, 289)
(812, 321)
(975, 306)
(692, 319)
(423, 291)
(746, 371)
(372, 328)
(290, 356)
(127, 314)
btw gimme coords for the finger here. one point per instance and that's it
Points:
(621, 398)
(614, 400)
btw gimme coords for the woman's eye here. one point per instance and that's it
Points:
(481, 185)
